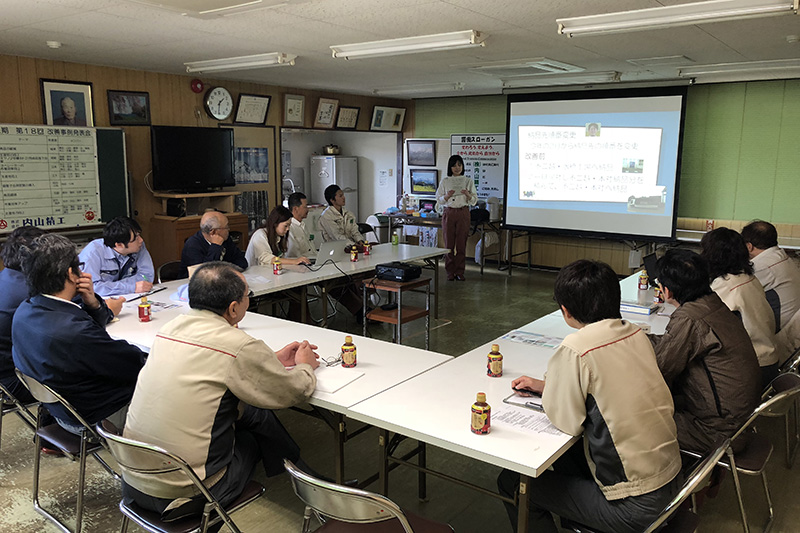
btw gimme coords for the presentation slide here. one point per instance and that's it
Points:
(595, 163)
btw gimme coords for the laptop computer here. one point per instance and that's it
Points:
(331, 250)
(650, 261)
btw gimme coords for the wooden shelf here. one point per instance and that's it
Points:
(408, 313)
(196, 203)
(169, 234)
(390, 317)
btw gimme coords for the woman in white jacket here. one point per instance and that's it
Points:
(270, 240)
(732, 279)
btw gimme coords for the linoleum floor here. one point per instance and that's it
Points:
(471, 312)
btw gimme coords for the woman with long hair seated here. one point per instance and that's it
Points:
(732, 279)
(271, 240)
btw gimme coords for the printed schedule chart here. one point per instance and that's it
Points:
(48, 177)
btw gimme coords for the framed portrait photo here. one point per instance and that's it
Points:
(326, 113)
(421, 153)
(128, 108)
(67, 103)
(294, 109)
(348, 118)
(252, 109)
(387, 118)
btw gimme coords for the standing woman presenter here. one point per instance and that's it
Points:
(456, 193)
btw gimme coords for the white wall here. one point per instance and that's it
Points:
(376, 152)
(442, 155)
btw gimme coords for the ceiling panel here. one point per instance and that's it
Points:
(130, 35)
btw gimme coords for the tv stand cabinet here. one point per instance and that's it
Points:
(198, 203)
(167, 235)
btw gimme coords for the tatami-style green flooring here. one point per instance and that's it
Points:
(471, 313)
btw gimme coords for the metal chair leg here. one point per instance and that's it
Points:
(306, 520)
(768, 526)
(738, 487)
(125, 522)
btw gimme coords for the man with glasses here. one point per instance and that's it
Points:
(212, 243)
(64, 344)
(207, 394)
(119, 262)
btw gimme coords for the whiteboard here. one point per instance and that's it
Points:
(484, 158)
(48, 177)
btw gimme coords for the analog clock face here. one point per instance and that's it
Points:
(219, 103)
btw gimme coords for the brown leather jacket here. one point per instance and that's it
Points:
(709, 363)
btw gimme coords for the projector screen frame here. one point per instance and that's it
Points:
(639, 92)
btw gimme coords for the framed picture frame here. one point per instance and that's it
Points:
(67, 103)
(348, 118)
(421, 153)
(387, 118)
(424, 181)
(294, 110)
(326, 113)
(252, 109)
(128, 108)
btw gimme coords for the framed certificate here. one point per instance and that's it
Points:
(348, 118)
(326, 113)
(252, 109)
(294, 112)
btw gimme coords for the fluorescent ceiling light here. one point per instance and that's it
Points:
(678, 15)
(744, 71)
(410, 45)
(209, 9)
(587, 78)
(273, 59)
(427, 88)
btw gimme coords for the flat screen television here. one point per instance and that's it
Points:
(187, 159)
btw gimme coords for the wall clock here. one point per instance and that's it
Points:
(218, 103)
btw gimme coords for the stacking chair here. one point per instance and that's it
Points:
(146, 459)
(73, 446)
(788, 379)
(345, 509)
(675, 518)
(10, 404)
(752, 459)
(169, 271)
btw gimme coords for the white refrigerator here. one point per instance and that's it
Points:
(335, 169)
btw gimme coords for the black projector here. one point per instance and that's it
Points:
(397, 271)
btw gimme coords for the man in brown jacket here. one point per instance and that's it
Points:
(705, 355)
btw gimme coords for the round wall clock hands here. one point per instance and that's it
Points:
(218, 103)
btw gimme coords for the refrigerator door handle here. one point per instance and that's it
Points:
(349, 189)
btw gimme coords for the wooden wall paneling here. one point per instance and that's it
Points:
(11, 104)
(46, 69)
(30, 91)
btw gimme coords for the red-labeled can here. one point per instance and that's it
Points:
(144, 310)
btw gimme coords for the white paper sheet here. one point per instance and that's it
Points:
(533, 339)
(524, 419)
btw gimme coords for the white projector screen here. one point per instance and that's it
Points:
(600, 163)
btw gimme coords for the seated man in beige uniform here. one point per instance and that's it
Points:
(602, 383)
(776, 271)
(336, 222)
(206, 392)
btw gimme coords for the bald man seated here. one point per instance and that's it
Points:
(212, 243)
